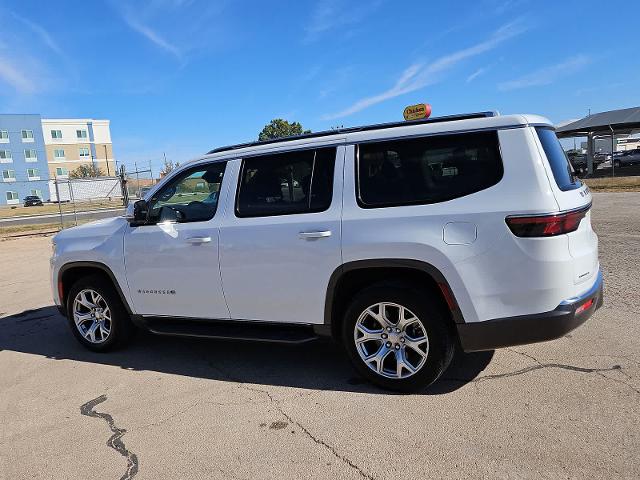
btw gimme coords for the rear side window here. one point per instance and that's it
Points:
(428, 169)
(286, 183)
(560, 166)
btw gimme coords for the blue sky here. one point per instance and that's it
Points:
(183, 76)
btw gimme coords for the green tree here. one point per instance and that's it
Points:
(86, 171)
(278, 128)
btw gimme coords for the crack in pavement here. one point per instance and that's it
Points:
(304, 429)
(115, 441)
(539, 365)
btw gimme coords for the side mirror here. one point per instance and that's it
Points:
(140, 212)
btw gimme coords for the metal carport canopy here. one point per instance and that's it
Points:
(621, 121)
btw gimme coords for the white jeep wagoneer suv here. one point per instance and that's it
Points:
(398, 240)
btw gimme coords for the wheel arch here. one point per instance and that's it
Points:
(352, 277)
(70, 272)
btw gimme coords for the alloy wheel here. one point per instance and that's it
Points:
(391, 340)
(92, 316)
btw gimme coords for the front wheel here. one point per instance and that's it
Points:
(397, 337)
(97, 316)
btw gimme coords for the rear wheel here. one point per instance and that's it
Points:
(97, 316)
(397, 337)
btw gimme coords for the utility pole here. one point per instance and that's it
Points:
(137, 178)
(55, 179)
(106, 160)
(123, 185)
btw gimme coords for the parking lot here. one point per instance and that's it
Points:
(174, 408)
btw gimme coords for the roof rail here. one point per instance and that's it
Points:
(364, 128)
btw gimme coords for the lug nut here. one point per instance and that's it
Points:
(389, 329)
(397, 330)
(384, 335)
(402, 339)
(397, 347)
(388, 344)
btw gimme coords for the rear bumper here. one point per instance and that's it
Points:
(520, 330)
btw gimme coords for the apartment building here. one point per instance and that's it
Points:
(23, 161)
(70, 143)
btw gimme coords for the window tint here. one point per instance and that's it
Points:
(560, 166)
(190, 197)
(428, 169)
(286, 183)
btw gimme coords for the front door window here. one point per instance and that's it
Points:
(191, 197)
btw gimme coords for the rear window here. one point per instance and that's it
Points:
(560, 165)
(427, 169)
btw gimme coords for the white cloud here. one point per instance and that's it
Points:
(150, 34)
(477, 73)
(45, 36)
(420, 75)
(13, 75)
(547, 75)
(331, 14)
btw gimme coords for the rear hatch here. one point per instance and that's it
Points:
(571, 195)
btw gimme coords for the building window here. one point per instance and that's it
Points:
(9, 175)
(5, 156)
(4, 135)
(27, 135)
(81, 133)
(61, 172)
(84, 152)
(12, 197)
(33, 174)
(30, 155)
(36, 192)
(58, 153)
(56, 134)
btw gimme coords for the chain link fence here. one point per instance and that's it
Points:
(58, 203)
(27, 203)
(136, 183)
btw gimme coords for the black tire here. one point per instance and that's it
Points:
(441, 340)
(122, 330)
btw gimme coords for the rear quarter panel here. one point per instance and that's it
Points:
(481, 274)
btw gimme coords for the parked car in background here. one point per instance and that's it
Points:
(628, 157)
(579, 162)
(32, 201)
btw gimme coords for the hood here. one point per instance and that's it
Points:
(100, 228)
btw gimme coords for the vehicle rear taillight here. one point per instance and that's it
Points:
(546, 225)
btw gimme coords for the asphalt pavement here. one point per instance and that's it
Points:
(170, 408)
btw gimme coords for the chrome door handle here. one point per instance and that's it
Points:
(198, 240)
(312, 235)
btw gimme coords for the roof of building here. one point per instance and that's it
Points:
(622, 121)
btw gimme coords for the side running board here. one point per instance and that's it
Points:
(230, 329)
